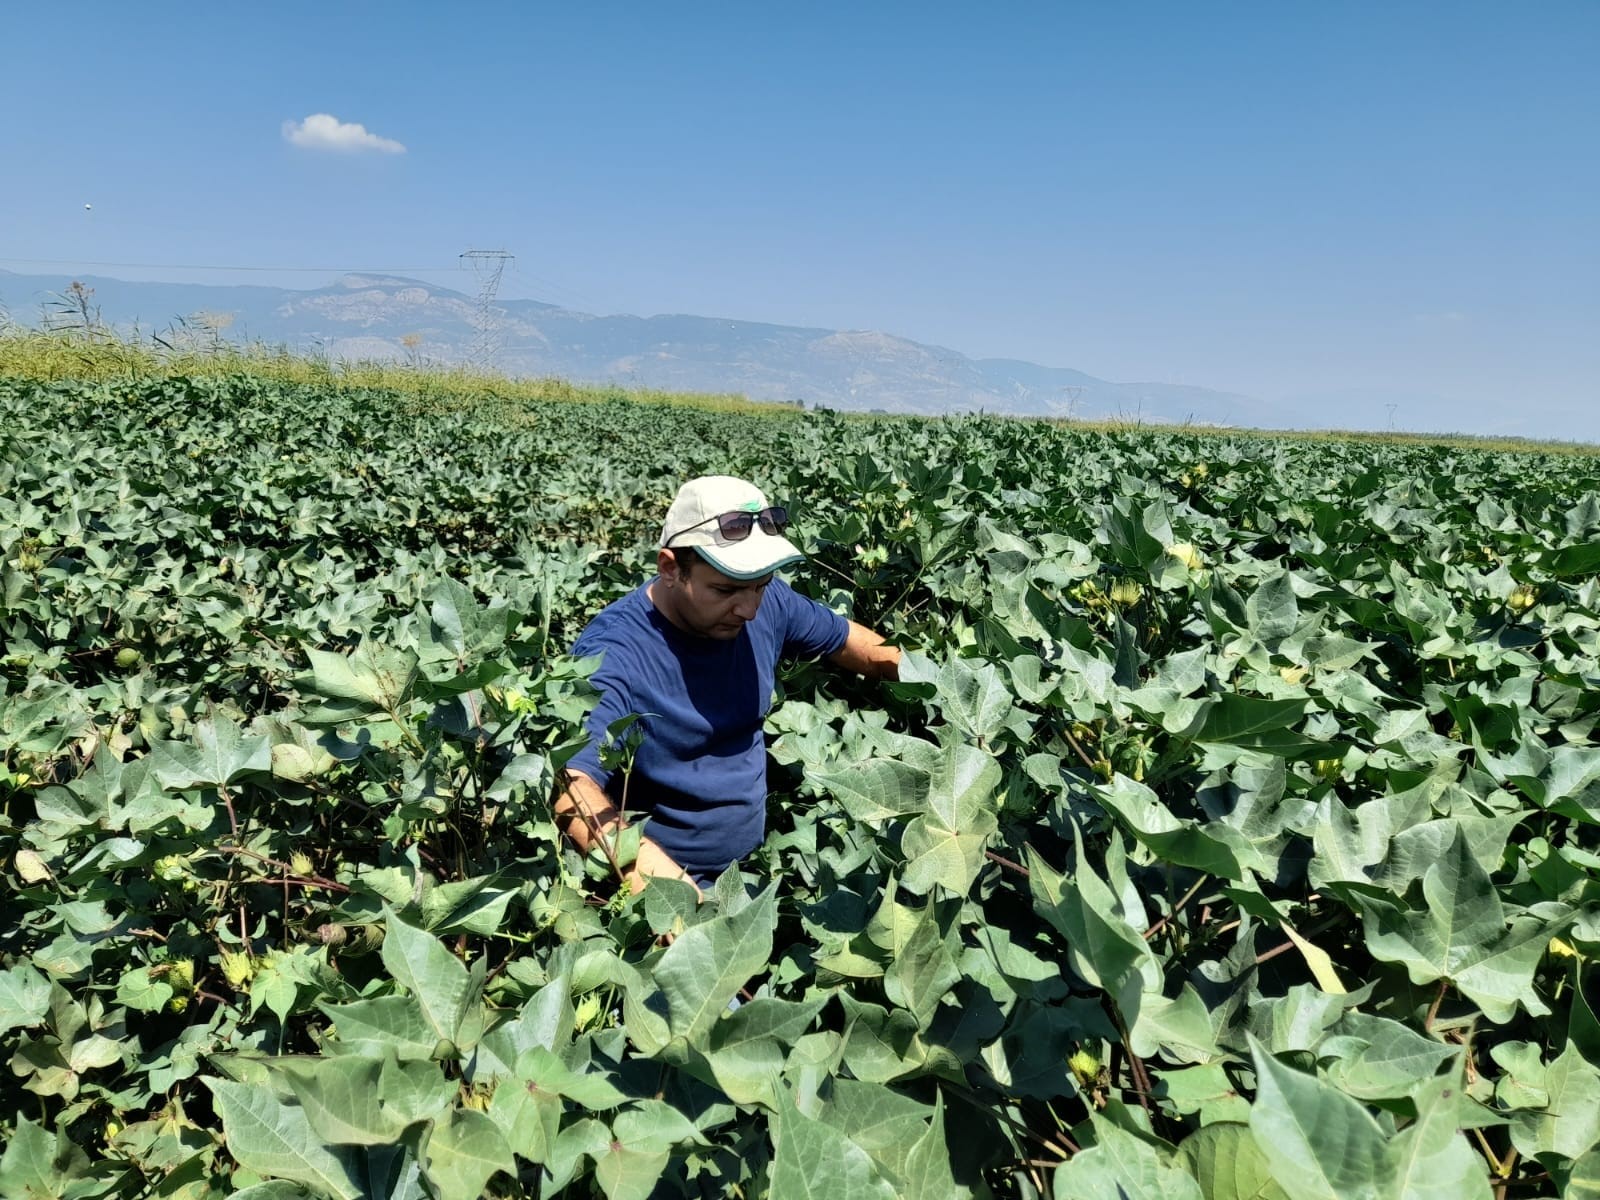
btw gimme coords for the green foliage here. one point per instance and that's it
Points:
(1230, 832)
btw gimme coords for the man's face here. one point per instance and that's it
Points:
(704, 601)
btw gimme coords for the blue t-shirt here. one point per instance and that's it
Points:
(700, 772)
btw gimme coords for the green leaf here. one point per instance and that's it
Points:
(747, 1046)
(705, 967)
(1572, 561)
(372, 1027)
(1265, 725)
(276, 1140)
(1101, 946)
(528, 1117)
(887, 1124)
(1136, 534)
(923, 970)
(474, 905)
(974, 698)
(625, 1174)
(1583, 1177)
(462, 627)
(372, 680)
(1211, 847)
(1180, 1025)
(1375, 1058)
(365, 1101)
(1460, 934)
(1568, 1123)
(945, 845)
(1228, 1164)
(38, 1164)
(876, 790)
(463, 1151)
(585, 1138)
(1430, 1158)
(1272, 610)
(927, 1174)
(24, 997)
(641, 1138)
(138, 991)
(437, 979)
(215, 756)
(539, 1069)
(814, 1161)
(1121, 1166)
(1319, 1143)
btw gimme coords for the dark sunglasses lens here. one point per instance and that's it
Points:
(736, 526)
(775, 520)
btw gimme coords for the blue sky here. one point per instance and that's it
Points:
(1374, 203)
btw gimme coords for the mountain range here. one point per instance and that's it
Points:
(391, 318)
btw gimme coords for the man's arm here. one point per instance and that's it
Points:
(866, 653)
(584, 813)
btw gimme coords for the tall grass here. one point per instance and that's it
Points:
(100, 356)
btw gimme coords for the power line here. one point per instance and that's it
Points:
(78, 262)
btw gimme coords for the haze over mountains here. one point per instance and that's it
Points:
(395, 319)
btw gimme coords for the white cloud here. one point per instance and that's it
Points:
(320, 131)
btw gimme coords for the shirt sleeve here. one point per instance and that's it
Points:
(612, 706)
(811, 630)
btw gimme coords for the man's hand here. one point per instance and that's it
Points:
(588, 817)
(653, 862)
(866, 653)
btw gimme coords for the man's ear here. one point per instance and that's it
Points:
(667, 565)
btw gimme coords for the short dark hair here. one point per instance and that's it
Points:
(685, 557)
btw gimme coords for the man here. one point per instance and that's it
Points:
(693, 654)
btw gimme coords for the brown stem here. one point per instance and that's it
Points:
(1176, 908)
(1433, 1009)
(1288, 946)
(1141, 1077)
(227, 800)
(1274, 952)
(1065, 1148)
(331, 885)
(1082, 757)
(1006, 862)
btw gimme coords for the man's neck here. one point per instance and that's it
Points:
(655, 592)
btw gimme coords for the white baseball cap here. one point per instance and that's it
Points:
(695, 520)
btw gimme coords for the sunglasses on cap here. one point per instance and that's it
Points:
(736, 526)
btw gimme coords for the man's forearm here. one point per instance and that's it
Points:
(585, 814)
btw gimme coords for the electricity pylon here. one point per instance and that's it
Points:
(487, 267)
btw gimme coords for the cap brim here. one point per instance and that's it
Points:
(759, 554)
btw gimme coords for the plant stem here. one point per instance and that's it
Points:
(1078, 748)
(1065, 1148)
(1433, 1009)
(330, 885)
(1176, 908)
(1006, 862)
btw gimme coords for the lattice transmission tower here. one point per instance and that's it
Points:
(487, 267)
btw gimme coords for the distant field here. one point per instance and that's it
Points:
(1230, 833)
(29, 354)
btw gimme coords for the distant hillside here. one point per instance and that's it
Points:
(366, 316)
